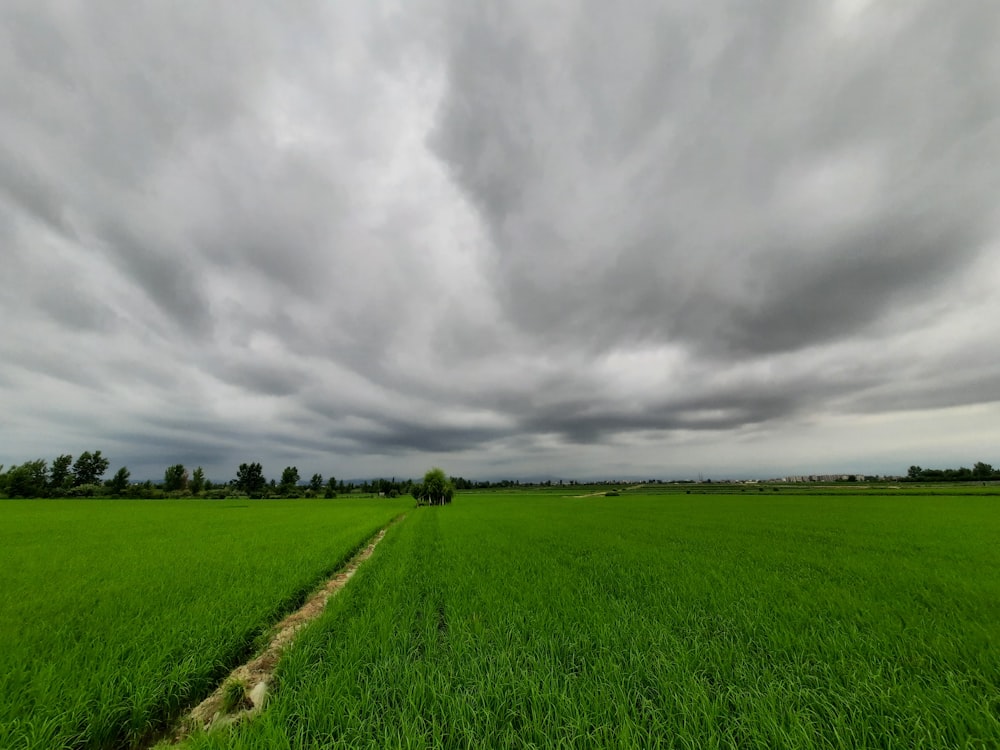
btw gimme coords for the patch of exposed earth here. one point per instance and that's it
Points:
(602, 492)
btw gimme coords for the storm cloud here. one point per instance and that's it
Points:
(572, 239)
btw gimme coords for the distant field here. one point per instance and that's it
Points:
(747, 620)
(861, 489)
(115, 614)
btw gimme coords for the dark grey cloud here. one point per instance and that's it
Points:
(73, 307)
(267, 378)
(724, 179)
(395, 437)
(850, 284)
(539, 238)
(152, 452)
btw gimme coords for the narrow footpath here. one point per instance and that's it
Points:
(244, 692)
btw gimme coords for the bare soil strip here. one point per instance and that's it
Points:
(253, 678)
(596, 494)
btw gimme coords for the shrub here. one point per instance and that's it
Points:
(86, 490)
(234, 696)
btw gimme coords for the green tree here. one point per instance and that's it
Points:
(175, 478)
(89, 468)
(250, 479)
(30, 479)
(982, 470)
(119, 482)
(316, 483)
(60, 476)
(197, 484)
(436, 489)
(289, 480)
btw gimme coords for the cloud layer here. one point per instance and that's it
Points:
(520, 238)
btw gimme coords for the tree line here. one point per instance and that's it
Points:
(64, 478)
(980, 471)
(84, 477)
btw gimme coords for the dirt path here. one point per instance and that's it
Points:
(247, 685)
(597, 494)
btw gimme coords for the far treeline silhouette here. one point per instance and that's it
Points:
(979, 472)
(84, 478)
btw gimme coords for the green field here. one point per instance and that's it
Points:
(116, 614)
(529, 619)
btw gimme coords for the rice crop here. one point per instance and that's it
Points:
(115, 615)
(673, 621)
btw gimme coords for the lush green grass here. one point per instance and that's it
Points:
(515, 619)
(114, 614)
(751, 621)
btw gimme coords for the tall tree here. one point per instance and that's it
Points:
(119, 482)
(30, 479)
(289, 479)
(250, 479)
(89, 468)
(175, 478)
(316, 483)
(197, 481)
(331, 488)
(60, 478)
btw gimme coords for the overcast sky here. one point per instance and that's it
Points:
(578, 239)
